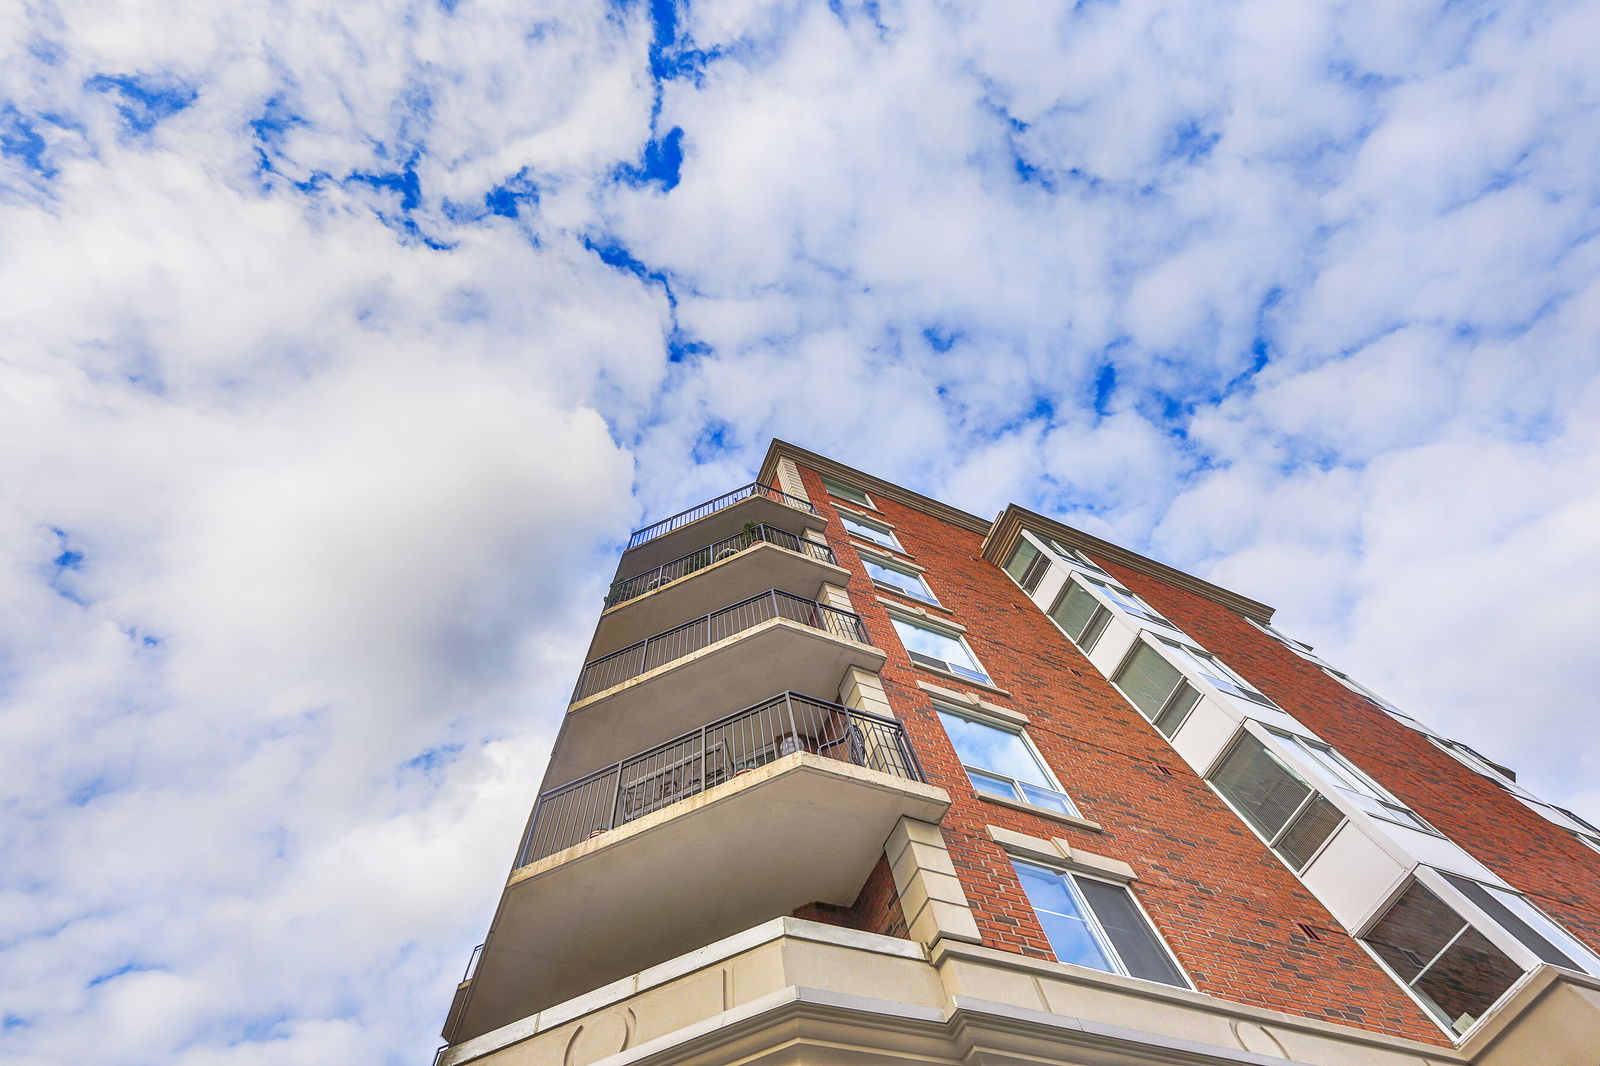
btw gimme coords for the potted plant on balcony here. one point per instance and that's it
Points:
(739, 542)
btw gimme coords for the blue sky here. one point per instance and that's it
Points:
(345, 342)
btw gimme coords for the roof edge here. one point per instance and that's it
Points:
(782, 449)
(1003, 535)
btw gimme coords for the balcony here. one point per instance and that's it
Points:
(662, 686)
(753, 560)
(694, 762)
(748, 818)
(713, 520)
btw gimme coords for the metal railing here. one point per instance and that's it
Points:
(630, 587)
(744, 492)
(694, 762)
(651, 652)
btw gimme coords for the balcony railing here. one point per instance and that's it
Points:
(667, 525)
(630, 587)
(601, 674)
(710, 755)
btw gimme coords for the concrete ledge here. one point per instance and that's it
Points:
(803, 828)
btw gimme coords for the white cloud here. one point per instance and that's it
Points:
(316, 464)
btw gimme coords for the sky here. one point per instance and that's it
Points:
(343, 343)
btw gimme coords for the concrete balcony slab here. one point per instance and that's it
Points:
(803, 828)
(779, 654)
(736, 576)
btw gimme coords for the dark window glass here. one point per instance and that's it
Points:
(1452, 967)
(1147, 679)
(1177, 709)
(1075, 612)
(1263, 790)
(1133, 938)
(1310, 829)
(1490, 903)
(1022, 556)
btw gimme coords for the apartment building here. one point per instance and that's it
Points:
(853, 776)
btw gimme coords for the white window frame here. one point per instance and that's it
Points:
(947, 668)
(1300, 648)
(883, 562)
(1070, 555)
(1091, 919)
(1325, 762)
(884, 528)
(830, 485)
(1185, 685)
(1559, 817)
(977, 718)
(1474, 918)
(1221, 678)
(1288, 766)
(1124, 600)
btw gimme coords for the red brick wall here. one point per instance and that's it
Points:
(875, 910)
(1556, 870)
(1225, 905)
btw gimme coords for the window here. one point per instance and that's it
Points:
(1002, 763)
(1506, 779)
(1292, 817)
(869, 531)
(1452, 968)
(1206, 665)
(1300, 648)
(1361, 690)
(1128, 602)
(903, 581)
(930, 647)
(1027, 565)
(1361, 788)
(1520, 918)
(1092, 923)
(1475, 760)
(1080, 616)
(1157, 688)
(1070, 555)
(847, 492)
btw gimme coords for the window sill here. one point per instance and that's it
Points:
(845, 503)
(910, 600)
(957, 677)
(894, 554)
(1043, 812)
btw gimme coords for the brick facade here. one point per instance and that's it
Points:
(1558, 872)
(1228, 908)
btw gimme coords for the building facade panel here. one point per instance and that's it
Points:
(1552, 866)
(1226, 906)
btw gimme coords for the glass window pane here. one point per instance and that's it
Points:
(989, 748)
(1073, 610)
(1130, 603)
(1508, 910)
(1261, 787)
(1147, 679)
(1311, 828)
(935, 645)
(1413, 931)
(1177, 710)
(1022, 556)
(866, 532)
(995, 786)
(909, 583)
(1047, 797)
(1142, 954)
(1070, 935)
(1467, 980)
(846, 492)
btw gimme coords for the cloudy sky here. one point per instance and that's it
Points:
(341, 343)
